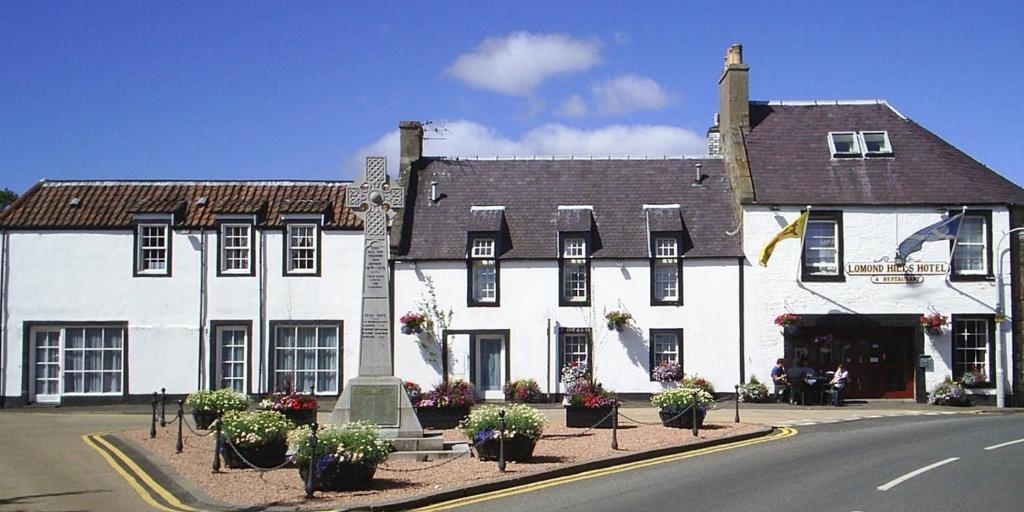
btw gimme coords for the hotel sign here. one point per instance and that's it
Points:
(888, 272)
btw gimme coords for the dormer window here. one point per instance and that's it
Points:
(575, 270)
(876, 143)
(859, 144)
(844, 144)
(483, 271)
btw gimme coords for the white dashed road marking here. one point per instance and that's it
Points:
(893, 483)
(1000, 445)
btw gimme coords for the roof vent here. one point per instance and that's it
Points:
(74, 202)
(699, 178)
(201, 201)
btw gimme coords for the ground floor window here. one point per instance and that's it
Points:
(971, 340)
(77, 361)
(306, 356)
(232, 347)
(666, 347)
(574, 347)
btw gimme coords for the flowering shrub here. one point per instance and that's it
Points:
(618, 319)
(254, 428)
(483, 423)
(573, 372)
(697, 381)
(413, 390)
(523, 390)
(949, 392)
(220, 401)
(754, 391)
(680, 398)
(583, 393)
(289, 402)
(933, 323)
(412, 322)
(974, 377)
(456, 393)
(357, 441)
(787, 319)
(667, 371)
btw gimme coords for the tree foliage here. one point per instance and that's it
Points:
(7, 196)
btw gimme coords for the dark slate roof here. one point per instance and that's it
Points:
(791, 163)
(532, 190)
(111, 204)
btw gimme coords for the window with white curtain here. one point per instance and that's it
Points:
(153, 249)
(301, 253)
(93, 360)
(970, 255)
(666, 270)
(306, 356)
(575, 267)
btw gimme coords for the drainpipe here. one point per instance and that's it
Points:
(1000, 318)
(202, 308)
(263, 308)
(5, 244)
(548, 384)
(742, 331)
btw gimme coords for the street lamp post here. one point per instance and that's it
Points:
(1000, 318)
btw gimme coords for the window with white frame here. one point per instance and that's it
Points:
(822, 252)
(665, 348)
(970, 252)
(235, 248)
(232, 345)
(971, 340)
(301, 250)
(575, 348)
(844, 144)
(666, 270)
(483, 272)
(306, 355)
(575, 267)
(876, 143)
(153, 249)
(93, 360)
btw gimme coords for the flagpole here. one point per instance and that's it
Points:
(952, 252)
(800, 255)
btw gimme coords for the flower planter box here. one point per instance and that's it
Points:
(586, 417)
(267, 455)
(300, 416)
(518, 449)
(340, 476)
(441, 417)
(671, 418)
(203, 419)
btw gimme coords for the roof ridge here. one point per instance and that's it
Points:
(584, 158)
(820, 103)
(205, 183)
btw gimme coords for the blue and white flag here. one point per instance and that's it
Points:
(945, 229)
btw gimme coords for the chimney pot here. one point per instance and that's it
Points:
(411, 142)
(734, 55)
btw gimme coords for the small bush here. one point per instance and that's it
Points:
(754, 391)
(696, 381)
(456, 393)
(220, 401)
(949, 392)
(523, 391)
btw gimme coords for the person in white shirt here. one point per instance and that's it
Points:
(839, 382)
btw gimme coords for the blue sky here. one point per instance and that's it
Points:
(300, 90)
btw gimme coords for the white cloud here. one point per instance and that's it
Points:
(517, 63)
(628, 93)
(472, 139)
(573, 106)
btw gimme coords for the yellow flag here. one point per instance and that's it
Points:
(794, 230)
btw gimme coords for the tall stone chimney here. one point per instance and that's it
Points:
(411, 141)
(734, 124)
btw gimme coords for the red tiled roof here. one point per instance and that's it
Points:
(111, 204)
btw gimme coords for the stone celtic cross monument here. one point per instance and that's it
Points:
(376, 395)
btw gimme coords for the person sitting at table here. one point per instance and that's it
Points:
(797, 377)
(779, 379)
(839, 382)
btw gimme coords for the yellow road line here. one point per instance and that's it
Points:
(783, 433)
(132, 481)
(141, 473)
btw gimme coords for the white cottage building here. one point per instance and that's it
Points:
(113, 290)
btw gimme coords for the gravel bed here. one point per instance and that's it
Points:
(559, 446)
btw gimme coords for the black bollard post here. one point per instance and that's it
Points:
(615, 425)
(694, 407)
(501, 441)
(163, 407)
(737, 418)
(178, 445)
(216, 447)
(152, 419)
(310, 479)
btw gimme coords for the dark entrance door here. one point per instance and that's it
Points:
(879, 359)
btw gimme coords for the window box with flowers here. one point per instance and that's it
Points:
(974, 377)
(412, 322)
(790, 323)
(298, 408)
(346, 455)
(667, 371)
(445, 405)
(617, 320)
(259, 437)
(933, 324)
(523, 427)
(587, 404)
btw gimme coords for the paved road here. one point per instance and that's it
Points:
(834, 467)
(45, 466)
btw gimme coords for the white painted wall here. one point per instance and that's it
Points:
(82, 276)
(869, 233)
(529, 300)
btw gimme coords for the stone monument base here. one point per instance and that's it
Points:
(381, 401)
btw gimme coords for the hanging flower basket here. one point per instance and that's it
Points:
(412, 322)
(617, 320)
(933, 324)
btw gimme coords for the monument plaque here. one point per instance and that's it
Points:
(376, 395)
